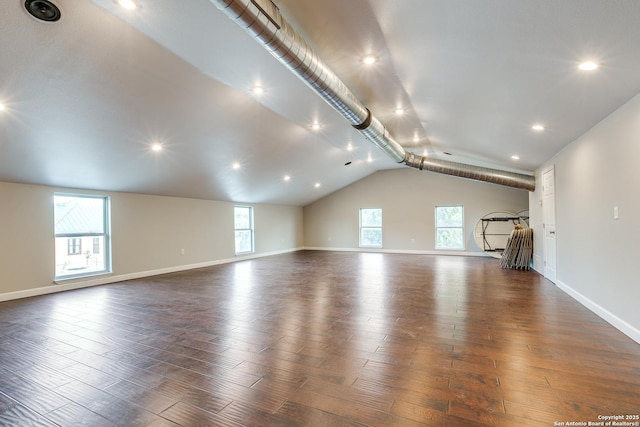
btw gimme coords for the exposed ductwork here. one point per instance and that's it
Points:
(262, 19)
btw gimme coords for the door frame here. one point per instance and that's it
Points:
(549, 227)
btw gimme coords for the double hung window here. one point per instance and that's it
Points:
(450, 227)
(370, 228)
(81, 235)
(243, 225)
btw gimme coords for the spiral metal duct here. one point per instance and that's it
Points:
(262, 19)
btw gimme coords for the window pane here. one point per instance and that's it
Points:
(371, 228)
(371, 217)
(79, 215)
(242, 217)
(371, 237)
(81, 239)
(449, 216)
(449, 227)
(84, 259)
(243, 225)
(243, 241)
(449, 238)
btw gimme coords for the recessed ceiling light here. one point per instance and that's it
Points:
(514, 157)
(317, 185)
(287, 178)
(369, 59)
(315, 127)
(349, 147)
(2, 107)
(156, 147)
(128, 4)
(588, 66)
(399, 111)
(236, 165)
(537, 127)
(257, 90)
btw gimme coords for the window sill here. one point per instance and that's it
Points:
(80, 276)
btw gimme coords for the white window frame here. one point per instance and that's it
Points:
(237, 229)
(449, 227)
(105, 234)
(369, 227)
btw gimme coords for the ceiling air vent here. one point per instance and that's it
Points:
(43, 10)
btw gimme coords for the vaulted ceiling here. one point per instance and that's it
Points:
(87, 97)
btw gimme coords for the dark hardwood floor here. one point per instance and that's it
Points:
(316, 339)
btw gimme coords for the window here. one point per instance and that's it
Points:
(370, 228)
(74, 246)
(243, 224)
(81, 223)
(449, 227)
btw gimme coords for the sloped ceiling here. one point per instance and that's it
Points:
(86, 97)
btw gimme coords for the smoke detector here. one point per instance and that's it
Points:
(42, 10)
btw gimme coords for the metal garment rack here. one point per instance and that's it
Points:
(485, 224)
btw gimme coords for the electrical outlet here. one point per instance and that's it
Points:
(616, 214)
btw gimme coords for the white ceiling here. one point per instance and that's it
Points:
(87, 96)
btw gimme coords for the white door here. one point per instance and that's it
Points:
(549, 223)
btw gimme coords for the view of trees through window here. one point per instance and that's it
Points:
(81, 235)
(243, 224)
(371, 228)
(449, 227)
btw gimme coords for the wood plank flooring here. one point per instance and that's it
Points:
(316, 339)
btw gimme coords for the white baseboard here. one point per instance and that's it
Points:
(79, 283)
(609, 317)
(398, 251)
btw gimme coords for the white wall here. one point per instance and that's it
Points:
(26, 237)
(408, 198)
(148, 233)
(597, 255)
